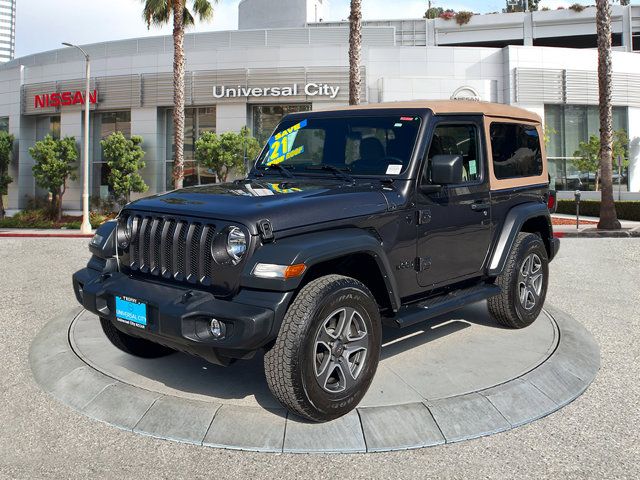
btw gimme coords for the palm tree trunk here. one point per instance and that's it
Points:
(178, 92)
(608, 217)
(355, 46)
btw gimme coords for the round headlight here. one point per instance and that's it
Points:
(128, 229)
(236, 244)
(125, 231)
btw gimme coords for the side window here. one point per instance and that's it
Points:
(516, 150)
(458, 139)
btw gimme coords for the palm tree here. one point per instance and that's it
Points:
(355, 45)
(160, 12)
(608, 217)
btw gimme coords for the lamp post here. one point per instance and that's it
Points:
(86, 224)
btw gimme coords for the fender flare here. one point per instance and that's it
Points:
(313, 249)
(512, 225)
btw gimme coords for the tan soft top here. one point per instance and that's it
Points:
(455, 106)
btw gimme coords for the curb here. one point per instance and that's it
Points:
(44, 235)
(571, 364)
(593, 233)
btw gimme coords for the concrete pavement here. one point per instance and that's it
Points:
(596, 436)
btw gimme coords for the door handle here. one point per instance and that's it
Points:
(480, 207)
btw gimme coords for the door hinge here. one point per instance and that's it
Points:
(422, 263)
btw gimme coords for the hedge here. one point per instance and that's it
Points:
(591, 208)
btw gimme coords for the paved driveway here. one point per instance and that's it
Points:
(596, 280)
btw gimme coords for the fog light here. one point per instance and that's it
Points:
(217, 328)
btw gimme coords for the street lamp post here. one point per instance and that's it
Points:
(86, 224)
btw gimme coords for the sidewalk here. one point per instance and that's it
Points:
(38, 233)
(589, 230)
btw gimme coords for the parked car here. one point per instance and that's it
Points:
(350, 219)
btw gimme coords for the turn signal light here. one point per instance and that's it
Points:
(293, 271)
(283, 272)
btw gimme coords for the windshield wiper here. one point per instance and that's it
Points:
(339, 172)
(281, 168)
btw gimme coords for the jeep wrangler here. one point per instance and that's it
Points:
(349, 219)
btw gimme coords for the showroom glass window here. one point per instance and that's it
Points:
(516, 150)
(266, 118)
(568, 125)
(104, 124)
(196, 121)
(47, 126)
(4, 124)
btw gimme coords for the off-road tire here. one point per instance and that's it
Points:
(138, 347)
(291, 364)
(507, 308)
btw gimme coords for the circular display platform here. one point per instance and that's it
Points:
(449, 379)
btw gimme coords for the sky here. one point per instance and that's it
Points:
(40, 27)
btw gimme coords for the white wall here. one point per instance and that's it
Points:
(231, 117)
(410, 73)
(634, 149)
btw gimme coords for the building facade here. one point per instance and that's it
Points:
(7, 30)
(253, 76)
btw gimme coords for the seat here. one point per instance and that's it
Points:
(371, 149)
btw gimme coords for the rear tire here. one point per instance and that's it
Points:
(524, 283)
(138, 347)
(327, 350)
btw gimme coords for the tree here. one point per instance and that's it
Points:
(226, 152)
(6, 147)
(160, 12)
(124, 158)
(433, 12)
(608, 216)
(588, 154)
(355, 46)
(55, 165)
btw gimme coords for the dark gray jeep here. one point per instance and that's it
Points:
(350, 219)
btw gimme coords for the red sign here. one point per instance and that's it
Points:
(63, 99)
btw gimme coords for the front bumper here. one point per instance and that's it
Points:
(180, 317)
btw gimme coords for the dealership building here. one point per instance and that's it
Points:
(288, 59)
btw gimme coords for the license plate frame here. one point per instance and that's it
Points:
(131, 311)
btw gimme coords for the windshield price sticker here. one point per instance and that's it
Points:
(280, 144)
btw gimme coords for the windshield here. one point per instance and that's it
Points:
(380, 145)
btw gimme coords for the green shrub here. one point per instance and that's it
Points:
(626, 210)
(39, 218)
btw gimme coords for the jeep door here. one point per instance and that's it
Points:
(454, 221)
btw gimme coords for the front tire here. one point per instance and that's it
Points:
(138, 347)
(327, 350)
(524, 283)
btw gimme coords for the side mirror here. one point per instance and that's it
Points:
(446, 169)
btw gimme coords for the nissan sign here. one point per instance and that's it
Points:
(63, 99)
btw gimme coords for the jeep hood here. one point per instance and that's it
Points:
(287, 204)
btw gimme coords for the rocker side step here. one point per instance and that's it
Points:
(445, 303)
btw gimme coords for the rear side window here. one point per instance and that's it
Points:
(516, 150)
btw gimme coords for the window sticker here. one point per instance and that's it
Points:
(472, 167)
(394, 169)
(280, 144)
(276, 188)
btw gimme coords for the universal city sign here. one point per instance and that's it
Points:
(63, 99)
(310, 89)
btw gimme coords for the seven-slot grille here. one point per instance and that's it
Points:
(171, 248)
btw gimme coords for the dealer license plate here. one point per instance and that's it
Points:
(131, 311)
